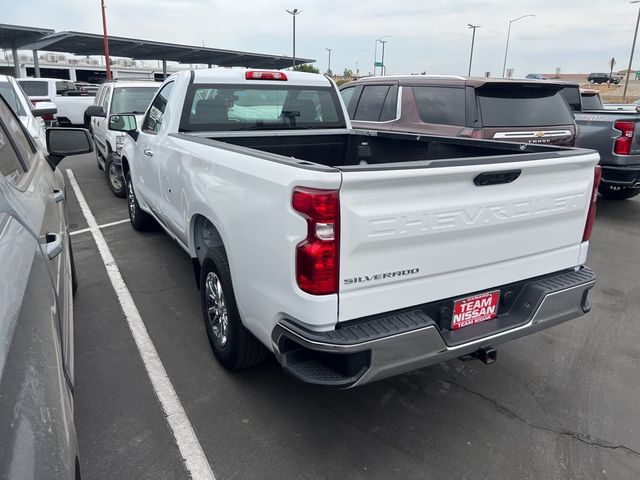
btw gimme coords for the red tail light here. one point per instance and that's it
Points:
(262, 75)
(591, 216)
(623, 143)
(48, 116)
(317, 259)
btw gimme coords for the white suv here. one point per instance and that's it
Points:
(131, 97)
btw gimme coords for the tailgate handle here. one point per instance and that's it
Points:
(496, 178)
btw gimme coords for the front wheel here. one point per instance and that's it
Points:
(140, 220)
(232, 344)
(114, 177)
(617, 193)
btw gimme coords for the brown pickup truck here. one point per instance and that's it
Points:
(523, 111)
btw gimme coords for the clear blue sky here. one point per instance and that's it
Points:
(426, 35)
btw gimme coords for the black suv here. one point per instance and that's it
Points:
(602, 78)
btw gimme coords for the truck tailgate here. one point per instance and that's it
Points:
(415, 235)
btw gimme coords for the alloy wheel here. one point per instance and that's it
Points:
(217, 309)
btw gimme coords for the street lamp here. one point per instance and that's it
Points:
(375, 55)
(473, 39)
(294, 13)
(506, 50)
(329, 72)
(633, 47)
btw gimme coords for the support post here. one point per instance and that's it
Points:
(36, 64)
(16, 62)
(164, 69)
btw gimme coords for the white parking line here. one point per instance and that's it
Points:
(104, 225)
(190, 449)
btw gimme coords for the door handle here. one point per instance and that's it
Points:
(58, 195)
(54, 245)
(496, 178)
(148, 152)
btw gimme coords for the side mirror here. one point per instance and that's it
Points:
(122, 123)
(95, 111)
(44, 108)
(62, 142)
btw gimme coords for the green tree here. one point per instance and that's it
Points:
(348, 73)
(306, 67)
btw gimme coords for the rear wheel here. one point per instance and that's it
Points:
(140, 220)
(617, 193)
(232, 344)
(114, 177)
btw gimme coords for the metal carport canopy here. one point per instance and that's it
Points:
(14, 36)
(92, 44)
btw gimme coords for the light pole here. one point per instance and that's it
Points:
(383, 69)
(375, 55)
(633, 47)
(473, 39)
(329, 72)
(506, 50)
(294, 13)
(107, 57)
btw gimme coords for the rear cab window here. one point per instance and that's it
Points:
(518, 105)
(571, 94)
(35, 88)
(591, 101)
(63, 88)
(210, 107)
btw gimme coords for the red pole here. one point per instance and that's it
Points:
(106, 41)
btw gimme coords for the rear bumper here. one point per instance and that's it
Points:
(621, 176)
(382, 346)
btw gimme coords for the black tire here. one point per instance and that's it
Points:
(617, 193)
(114, 177)
(140, 220)
(237, 349)
(74, 276)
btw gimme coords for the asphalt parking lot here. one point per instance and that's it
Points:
(561, 404)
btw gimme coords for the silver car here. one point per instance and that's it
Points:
(37, 276)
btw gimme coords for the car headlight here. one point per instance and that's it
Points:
(119, 143)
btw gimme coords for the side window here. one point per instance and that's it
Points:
(153, 120)
(99, 95)
(390, 106)
(105, 99)
(371, 101)
(10, 164)
(347, 95)
(440, 105)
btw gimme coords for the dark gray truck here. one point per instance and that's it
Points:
(616, 137)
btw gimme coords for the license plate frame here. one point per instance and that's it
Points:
(475, 309)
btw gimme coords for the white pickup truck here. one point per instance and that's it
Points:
(354, 255)
(70, 102)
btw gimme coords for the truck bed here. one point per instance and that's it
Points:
(360, 148)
